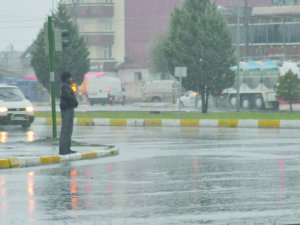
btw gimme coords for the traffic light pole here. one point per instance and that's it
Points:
(52, 75)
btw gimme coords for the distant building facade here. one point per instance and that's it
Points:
(11, 64)
(121, 33)
(268, 28)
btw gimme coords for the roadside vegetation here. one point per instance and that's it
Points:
(183, 115)
(199, 39)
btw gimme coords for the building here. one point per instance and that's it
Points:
(268, 28)
(120, 35)
(10, 63)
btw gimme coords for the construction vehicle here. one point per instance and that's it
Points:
(257, 80)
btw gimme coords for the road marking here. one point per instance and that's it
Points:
(89, 155)
(50, 159)
(118, 122)
(84, 122)
(269, 123)
(189, 123)
(228, 123)
(4, 163)
(152, 122)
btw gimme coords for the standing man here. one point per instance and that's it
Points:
(68, 102)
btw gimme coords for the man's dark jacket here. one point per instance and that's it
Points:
(67, 97)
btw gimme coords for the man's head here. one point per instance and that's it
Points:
(66, 76)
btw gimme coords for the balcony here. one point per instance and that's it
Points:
(99, 38)
(99, 10)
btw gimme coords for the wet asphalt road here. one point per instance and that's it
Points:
(162, 176)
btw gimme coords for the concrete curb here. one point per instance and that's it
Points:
(288, 124)
(17, 162)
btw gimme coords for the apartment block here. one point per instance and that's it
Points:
(267, 28)
(120, 34)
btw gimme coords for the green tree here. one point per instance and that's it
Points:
(199, 39)
(288, 88)
(73, 58)
(158, 61)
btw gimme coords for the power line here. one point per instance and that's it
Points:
(21, 21)
(22, 27)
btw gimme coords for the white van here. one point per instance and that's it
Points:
(105, 89)
(160, 91)
(15, 108)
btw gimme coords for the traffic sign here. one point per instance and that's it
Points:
(180, 71)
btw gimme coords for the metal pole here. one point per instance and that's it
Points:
(179, 104)
(52, 76)
(238, 57)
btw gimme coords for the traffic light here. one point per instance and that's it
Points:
(61, 39)
(65, 38)
(58, 40)
(46, 38)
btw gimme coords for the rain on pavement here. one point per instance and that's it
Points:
(163, 175)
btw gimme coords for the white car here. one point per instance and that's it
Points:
(190, 99)
(15, 108)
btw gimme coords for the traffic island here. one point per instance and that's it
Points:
(29, 161)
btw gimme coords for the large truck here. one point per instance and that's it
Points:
(103, 89)
(160, 91)
(257, 82)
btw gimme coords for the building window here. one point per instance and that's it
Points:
(108, 26)
(286, 2)
(138, 76)
(107, 52)
(109, 1)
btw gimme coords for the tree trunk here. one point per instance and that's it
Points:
(291, 106)
(204, 98)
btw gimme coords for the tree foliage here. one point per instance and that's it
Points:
(158, 61)
(199, 39)
(288, 88)
(73, 58)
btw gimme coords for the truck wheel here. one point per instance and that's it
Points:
(259, 102)
(245, 103)
(91, 102)
(181, 105)
(156, 99)
(233, 101)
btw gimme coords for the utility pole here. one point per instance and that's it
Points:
(246, 25)
(51, 44)
(238, 57)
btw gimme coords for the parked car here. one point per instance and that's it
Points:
(190, 99)
(15, 108)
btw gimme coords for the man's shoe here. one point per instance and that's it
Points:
(72, 152)
(67, 153)
(64, 153)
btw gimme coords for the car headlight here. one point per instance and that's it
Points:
(3, 109)
(29, 109)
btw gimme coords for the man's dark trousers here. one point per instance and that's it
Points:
(67, 119)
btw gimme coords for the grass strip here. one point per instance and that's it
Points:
(184, 115)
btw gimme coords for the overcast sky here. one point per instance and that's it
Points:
(21, 20)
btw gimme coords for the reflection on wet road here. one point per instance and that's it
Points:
(162, 176)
